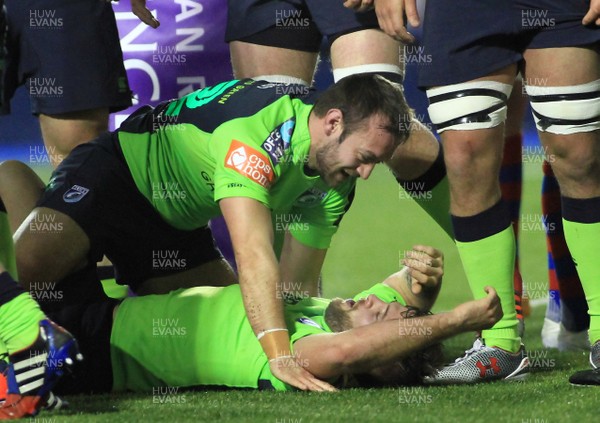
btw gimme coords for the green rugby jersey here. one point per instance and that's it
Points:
(240, 138)
(201, 336)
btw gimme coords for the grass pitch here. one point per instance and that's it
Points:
(367, 248)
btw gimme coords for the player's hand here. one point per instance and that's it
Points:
(289, 370)
(139, 9)
(426, 267)
(359, 5)
(390, 15)
(593, 14)
(480, 314)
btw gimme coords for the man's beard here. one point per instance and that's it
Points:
(326, 157)
(336, 317)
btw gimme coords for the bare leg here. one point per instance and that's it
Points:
(481, 223)
(473, 161)
(20, 189)
(63, 132)
(575, 161)
(251, 60)
(369, 46)
(49, 245)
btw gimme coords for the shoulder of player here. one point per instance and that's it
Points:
(267, 137)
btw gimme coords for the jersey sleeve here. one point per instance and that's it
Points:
(320, 221)
(306, 318)
(242, 166)
(305, 326)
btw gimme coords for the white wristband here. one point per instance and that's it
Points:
(264, 332)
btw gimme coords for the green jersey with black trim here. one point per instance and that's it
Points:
(240, 138)
(201, 336)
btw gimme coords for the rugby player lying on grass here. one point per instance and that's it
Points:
(201, 337)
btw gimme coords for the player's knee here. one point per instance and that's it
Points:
(574, 164)
(468, 150)
(472, 178)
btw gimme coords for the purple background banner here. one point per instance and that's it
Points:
(186, 52)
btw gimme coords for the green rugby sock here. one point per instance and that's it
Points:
(7, 251)
(19, 318)
(490, 260)
(432, 193)
(581, 223)
(439, 205)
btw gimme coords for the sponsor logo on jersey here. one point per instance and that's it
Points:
(287, 129)
(311, 196)
(75, 193)
(279, 140)
(250, 163)
(309, 322)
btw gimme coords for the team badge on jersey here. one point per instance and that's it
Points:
(309, 322)
(74, 194)
(310, 197)
(279, 140)
(250, 163)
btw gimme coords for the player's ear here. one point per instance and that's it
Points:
(333, 122)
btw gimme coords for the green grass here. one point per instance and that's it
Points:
(366, 249)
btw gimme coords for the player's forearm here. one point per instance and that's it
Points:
(249, 224)
(369, 347)
(259, 283)
(406, 337)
